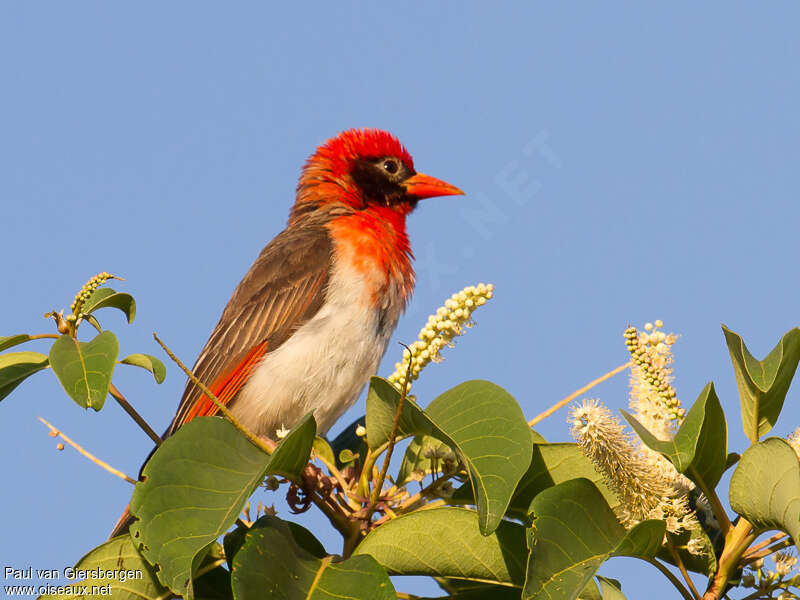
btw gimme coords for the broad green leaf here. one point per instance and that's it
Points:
(446, 542)
(198, 481)
(107, 297)
(15, 367)
(765, 487)
(487, 427)
(10, 341)
(552, 464)
(85, 368)
(117, 555)
(270, 564)
(574, 532)
(479, 420)
(148, 363)
(763, 383)
(415, 464)
(700, 446)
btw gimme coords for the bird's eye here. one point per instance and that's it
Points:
(390, 166)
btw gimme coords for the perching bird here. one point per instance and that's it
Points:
(309, 323)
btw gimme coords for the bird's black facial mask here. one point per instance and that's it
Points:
(381, 180)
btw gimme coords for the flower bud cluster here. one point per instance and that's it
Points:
(88, 289)
(448, 322)
(652, 396)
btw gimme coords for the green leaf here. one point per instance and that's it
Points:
(324, 450)
(10, 341)
(479, 420)
(763, 384)
(552, 464)
(574, 532)
(115, 556)
(700, 446)
(765, 487)
(382, 400)
(414, 462)
(446, 542)
(15, 367)
(85, 368)
(270, 564)
(148, 363)
(108, 298)
(198, 481)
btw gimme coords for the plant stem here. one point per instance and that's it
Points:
(736, 542)
(117, 395)
(420, 495)
(575, 394)
(713, 499)
(337, 474)
(672, 579)
(753, 557)
(257, 441)
(376, 490)
(44, 336)
(679, 562)
(753, 549)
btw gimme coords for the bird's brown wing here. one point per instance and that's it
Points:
(283, 289)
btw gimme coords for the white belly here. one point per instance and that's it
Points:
(322, 367)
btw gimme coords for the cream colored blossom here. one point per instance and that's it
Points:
(642, 490)
(448, 322)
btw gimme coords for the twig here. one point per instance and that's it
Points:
(257, 441)
(575, 394)
(353, 505)
(679, 562)
(773, 538)
(672, 579)
(117, 395)
(420, 495)
(376, 490)
(55, 432)
(753, 557)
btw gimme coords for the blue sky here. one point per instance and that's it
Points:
(622, 164)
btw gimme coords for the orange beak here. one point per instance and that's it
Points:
(424, 186)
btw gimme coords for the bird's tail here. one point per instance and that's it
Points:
(123, 524)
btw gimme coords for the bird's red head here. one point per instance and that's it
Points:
(364, 170)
